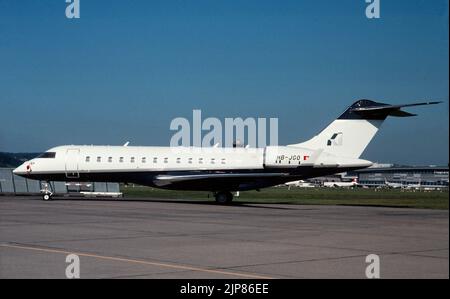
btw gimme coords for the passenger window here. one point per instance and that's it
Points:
(143, 160)
(132, 160)
(190, 161)
(223, 161)
(88, 158)
(166, 160)
(178, 160)
(121, 159)
(109, 159)
(155, 160)
(213, 161)
(200, 161)
(99, 159)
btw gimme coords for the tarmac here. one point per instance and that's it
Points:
(152, 238)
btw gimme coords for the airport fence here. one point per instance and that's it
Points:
(14, 184)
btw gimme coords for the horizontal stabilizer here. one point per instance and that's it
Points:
(367, 109)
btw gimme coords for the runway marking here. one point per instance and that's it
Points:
(142, 262)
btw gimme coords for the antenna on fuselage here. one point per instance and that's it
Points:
(126, 143)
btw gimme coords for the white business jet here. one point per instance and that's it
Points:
(222, 171)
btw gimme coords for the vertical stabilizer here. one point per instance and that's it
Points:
(350, 134)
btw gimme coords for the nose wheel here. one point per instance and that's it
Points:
(46, 191)
(223, 197)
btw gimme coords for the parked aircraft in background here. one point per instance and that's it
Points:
(393, 185)
(424, 187)
(299, 184)
(335, 149)
(353, 183)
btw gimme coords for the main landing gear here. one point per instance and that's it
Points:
(46, 191)
(223, 197)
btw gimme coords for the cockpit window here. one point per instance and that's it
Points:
(49, 155)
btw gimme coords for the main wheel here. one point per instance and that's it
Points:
(46, 197)
(224, 197)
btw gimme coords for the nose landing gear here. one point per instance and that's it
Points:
(46, 191)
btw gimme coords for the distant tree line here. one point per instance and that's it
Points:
(15, 159)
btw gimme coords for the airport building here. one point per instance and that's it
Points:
(14, 184)
(381, 175)
(423, 176)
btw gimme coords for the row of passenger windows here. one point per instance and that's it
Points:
(155, 160)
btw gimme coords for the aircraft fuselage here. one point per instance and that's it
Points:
(203, 169)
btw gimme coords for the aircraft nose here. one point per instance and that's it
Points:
(21, 170)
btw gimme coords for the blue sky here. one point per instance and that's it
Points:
(125, 69)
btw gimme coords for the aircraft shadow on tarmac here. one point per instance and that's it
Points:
(243, 204)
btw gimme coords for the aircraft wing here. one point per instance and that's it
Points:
(219, 181)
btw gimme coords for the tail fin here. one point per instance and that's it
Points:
(349, 135)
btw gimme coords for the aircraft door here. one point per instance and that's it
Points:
(72, 163)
